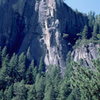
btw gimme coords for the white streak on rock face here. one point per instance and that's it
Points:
(36, 5)
(51, 33)
(51, 3)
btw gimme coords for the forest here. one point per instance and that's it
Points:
(21, 82)
(21, 79)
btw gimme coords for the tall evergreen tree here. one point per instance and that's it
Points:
(13, 66)
(64, 90)
(32, 93)
(4, 73)
(39, 86)
(91, 17)
(0, 57)
(31, 73)
(49, 93)
(20, 91)
(85, 32)
(1, 95)
(8, 93)
(21, 68)
(95, 31)
(54, 75)
(41, 68)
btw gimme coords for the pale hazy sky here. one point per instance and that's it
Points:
(85, 5)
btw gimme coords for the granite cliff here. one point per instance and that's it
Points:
(37, 27)
(86, 53)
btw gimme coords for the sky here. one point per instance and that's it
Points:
(85, 5)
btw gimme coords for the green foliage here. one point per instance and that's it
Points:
(31, 73)
(65, 35)
(20, 91)
(91, 17)
(13, 63)
(39, 86)
(91, 31)
(4, 53)
(87, 81)
(8, 93)
(18, 82)
(49, 92)
(85, 32)
(21, 65)
(41, 68)
(98, 36)
(32, 93)
(1, 95)
(95, 31)
(65, 90)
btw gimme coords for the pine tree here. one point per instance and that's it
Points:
(31, 73)
(32, 93)
(91, 17)
(41, 68)
(95, 31)
(49, 93)
(20, 91)
(13, 66)
(85, 32)
(55, 76)
(1, 95)
(0, 57)
(4, 73)
(64, 91)
(3, 53)
(39, 86)
(28, 53)
(8, 94)
(21, 68)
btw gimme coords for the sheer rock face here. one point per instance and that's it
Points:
(37, 26)
(86, 53)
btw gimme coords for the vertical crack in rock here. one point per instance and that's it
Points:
(51, 33)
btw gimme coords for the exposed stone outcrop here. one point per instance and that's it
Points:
(85, 54)
(37, 26)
